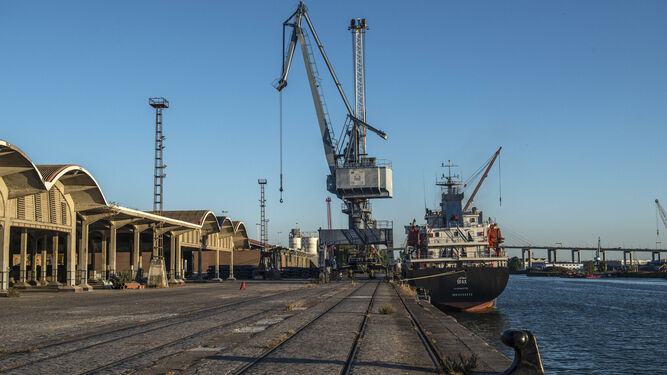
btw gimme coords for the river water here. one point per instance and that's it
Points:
(583, 326)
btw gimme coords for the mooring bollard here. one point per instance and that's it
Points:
(527, 360)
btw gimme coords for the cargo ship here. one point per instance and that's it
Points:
(456, 257)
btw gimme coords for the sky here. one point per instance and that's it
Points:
(575, 93)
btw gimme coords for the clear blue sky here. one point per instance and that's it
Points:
(575, 92)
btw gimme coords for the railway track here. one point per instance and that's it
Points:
(80, 344)
(249, 366)
(423, 337)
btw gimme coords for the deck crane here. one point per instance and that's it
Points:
(354, 177)
(481, 180)
(662, 213)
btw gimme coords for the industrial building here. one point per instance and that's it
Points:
(58, 229)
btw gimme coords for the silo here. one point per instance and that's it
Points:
(295, 239)
(310, 244)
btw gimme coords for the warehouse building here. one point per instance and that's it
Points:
(57, 229)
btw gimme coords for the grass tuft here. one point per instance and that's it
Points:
(407, 289)
(275, 341)
(387, 310)
(294, 305)
(462, 366)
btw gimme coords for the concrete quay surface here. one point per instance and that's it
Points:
(282, 327)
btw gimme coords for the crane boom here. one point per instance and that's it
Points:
(661, 211)
(295, 21)
(481, 180)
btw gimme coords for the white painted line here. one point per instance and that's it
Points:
(250, 329)
(207, 349)
(300, 308)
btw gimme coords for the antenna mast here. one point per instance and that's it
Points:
(157, 271)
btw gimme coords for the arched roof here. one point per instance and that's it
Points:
(18, 172)
(240, 236)
(226, 226)
(204, 218)
(77, 182)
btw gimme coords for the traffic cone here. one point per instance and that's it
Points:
(243, 285)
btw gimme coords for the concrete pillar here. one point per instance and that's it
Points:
(548, 255)
(573, 255)
(83, 256)
(54, 260)
(555, 256)
(216, 272)
(604, 256)
(630, 253)
(523, 258)
(105, 262)
(231, 264)
(43, 276)
(136, 252)
(70, 252)
(24, 256)
(199, 256)
(172, 257)
(4, 258)
(624, 258)
(530, 258)
(179, 259)
(33, 262)
(113, 236)
(578, 256)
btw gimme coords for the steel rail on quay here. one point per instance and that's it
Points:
(421, 332)
(127, 332)
(245, 368)
(418, 330)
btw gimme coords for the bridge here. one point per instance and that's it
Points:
(552, 252)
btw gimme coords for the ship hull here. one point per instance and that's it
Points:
(464, 288)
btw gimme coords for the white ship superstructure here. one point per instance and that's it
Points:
(453, 237)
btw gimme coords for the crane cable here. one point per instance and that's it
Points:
(500, 185)
(281, 147)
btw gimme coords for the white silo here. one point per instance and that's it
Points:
(295, 239)
(310, 244)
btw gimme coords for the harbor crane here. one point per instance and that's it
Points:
(354, 177)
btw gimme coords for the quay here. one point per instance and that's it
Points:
(276, 327)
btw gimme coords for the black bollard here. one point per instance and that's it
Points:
(527, 360)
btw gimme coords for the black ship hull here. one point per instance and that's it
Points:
(464, 288)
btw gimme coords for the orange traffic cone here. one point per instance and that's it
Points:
(243, 285)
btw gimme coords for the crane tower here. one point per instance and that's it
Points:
(354, 177)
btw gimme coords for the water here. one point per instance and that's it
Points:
(583, 326)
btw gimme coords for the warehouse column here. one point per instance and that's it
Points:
(136, 252)
(24, 255)
(216, 273)
(54, 260)
(179, 259)
(45, 241)
(202, 244)
(70, 256)
(83, 256)
(4, 257)
(33, 262)
(112, 249)
(105, 261)
(231, 264)
(172, 258)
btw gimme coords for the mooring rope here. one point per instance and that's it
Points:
(436, 275)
